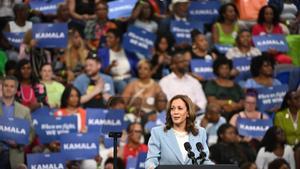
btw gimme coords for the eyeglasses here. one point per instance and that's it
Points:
(137, 131)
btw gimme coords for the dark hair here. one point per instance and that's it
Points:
(219, 62)
(223, 9)
(151, 8)
(194, 34)
(240, 32)
(170, 40)
(269, 140)
(190, 121)
(277, 163)
(129, 127)
(110, 160)
(251, 92)
(222, 129)
(9, 65)
(116, 32)
(261, 14)
(286, 98)
(93, 56)
(66, 94)
(19, 6)
(257, 63)
(21, 63)
(246, 165)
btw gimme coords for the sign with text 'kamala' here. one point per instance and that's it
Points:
(242, 64)
(271, 97)
(49, 128)
(46, 161)
(253, 128)
(222, 48)
(120, 8)
(14, 129)
(139, 40)
(105, 121)
(15, 39)
(77, 146)
(182, 30)
(141, 160)
(51, 35)
(46, 7)
(203, 68)
(266, 42)
(204, 11)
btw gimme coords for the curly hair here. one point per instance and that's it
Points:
(223, 9)
(190, 121)
(269, 140)
(219, 62)
(261, 14)
(257, 63)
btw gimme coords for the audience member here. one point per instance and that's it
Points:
(279, 163)
(200, 46)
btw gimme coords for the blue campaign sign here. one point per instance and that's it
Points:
(206, 11)
(270, 97)
(139, 40)
(182, 30)
(15, 39)
(114, 121)
(120, 8)
(242, 64)
(222, 48)
(265, 42)
(95, 119)
(14, 129)
(78, 146)
(253, 128)
(141, 160)
(203, 68)
(131, 163)
(49, 128)
(51, 35)
(42, 160)
(46, 7)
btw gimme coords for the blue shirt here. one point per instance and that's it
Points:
(8, 111)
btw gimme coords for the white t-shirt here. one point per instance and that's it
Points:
(16, 28)
(121, 71)
(181, 138)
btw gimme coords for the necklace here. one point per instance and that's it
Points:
(23, 95)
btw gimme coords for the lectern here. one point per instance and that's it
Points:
(219, 166)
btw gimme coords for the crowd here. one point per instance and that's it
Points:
(95, 70)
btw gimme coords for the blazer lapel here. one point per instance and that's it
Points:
(173, 145)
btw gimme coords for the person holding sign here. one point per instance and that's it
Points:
(166, 144)
(12, 154)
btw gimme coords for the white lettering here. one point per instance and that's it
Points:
(47, 166)
(74, 146)
(110, 122)
(53, 35)
(11, 129)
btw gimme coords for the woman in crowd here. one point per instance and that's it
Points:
(82, 10)
(31, 92)
(273, 146)
(54, 89)
(279, 163)
(225, 30)
(167, 143)
(116, 61)
(224, 91)
(144, 88)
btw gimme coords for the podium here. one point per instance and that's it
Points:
(218, 166)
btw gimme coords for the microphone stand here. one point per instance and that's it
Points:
(115, 136)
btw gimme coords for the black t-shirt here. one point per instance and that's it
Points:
(97, 101)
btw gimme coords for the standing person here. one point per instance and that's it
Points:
(167, 143)
(12, 154)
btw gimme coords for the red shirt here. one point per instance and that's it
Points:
(133, 152)
(260, 29)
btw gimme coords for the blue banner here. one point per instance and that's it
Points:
(182, 30)
(131, 163)
(253, 128)
(120, 8)
(51, 35)
(204, 11)
(139, 40)
(95, 118)
(242, 64)
(265, 42)
(222, 48)
(49, 128)
(77, 146)
(141, 160)
(46, 7)
(43, 161)
(15, 39)
(14, 129)
(203, 68)
(270, 97)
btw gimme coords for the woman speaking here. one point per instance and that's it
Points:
(179, 142)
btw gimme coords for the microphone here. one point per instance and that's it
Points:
(191, 154)
(202, 154)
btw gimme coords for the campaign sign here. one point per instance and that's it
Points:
(95, 119)
(49, 128)
(253, 128)
(242, 64)
(43, 161)
(51, 35)
(114, 121)
(120, 8)
(46, 7)
(222, 48)
(141, 160)
(15, 39)
(203, 68)
(204, 11)
(139, 40)
(182, 30)
(270, 97)
(78, 146)
(265, 42)
(14, 129)
(131, 163)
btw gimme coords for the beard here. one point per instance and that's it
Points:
(183, 70)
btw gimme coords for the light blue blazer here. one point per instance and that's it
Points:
(163, 148)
